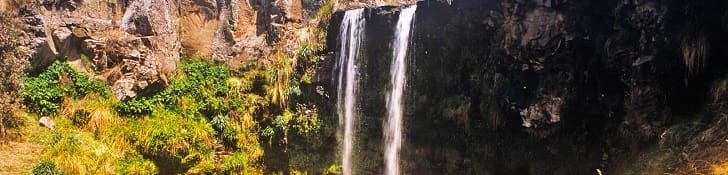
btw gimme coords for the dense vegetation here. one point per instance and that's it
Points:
(44, 94)
(207, 120)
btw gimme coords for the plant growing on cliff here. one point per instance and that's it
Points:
(279, 77)
(43, 94)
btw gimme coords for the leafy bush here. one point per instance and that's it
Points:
(135, 107)
(201, 81)
(46, 168)
(309, 62)
(43, 94)
(225, 131)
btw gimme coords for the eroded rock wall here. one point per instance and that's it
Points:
(135, 46)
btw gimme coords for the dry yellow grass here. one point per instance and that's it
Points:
(19, 157)
(101, 115)
(196, 34)
(20, 154)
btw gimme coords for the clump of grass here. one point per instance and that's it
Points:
(278, 79)
(93, 113)
(79, 153)
(333, 169)
(165, 132)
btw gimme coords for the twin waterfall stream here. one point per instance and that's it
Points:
(351, 32)
(350, 37)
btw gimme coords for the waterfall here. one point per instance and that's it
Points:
(393, 128)
(350, 33)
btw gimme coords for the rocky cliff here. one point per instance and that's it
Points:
(135, 45)
(549, 87)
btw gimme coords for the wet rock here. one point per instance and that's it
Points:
(546, 111)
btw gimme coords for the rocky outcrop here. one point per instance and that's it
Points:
(135, 46)
(131, 46)
(154, 52)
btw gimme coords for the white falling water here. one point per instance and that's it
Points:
(350, 33)
(393, 128)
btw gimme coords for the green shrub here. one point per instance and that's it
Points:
(135, 107)
(43, 94)
(207, 84)
(46, 168)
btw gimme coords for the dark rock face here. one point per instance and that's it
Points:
(539, 87)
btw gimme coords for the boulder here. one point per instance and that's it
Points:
(47, 122)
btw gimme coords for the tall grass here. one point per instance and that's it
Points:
(97, 110)
(279, 77)
(78, 153)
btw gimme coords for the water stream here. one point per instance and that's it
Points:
(350, 36)
(393, 125)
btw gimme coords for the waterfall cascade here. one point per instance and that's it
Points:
(393, 125)
(350, 34)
